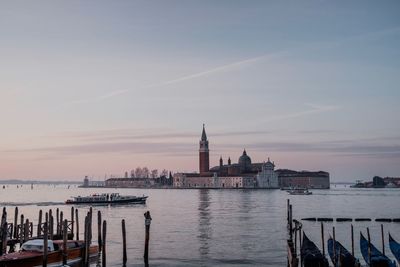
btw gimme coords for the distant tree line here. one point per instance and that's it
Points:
(147, 173)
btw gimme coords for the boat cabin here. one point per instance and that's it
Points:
(37, 245)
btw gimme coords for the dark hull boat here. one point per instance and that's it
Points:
(342, 257)
(395, 248)
(31, 254)
(377, 258)
(114, 198)
(311, 256)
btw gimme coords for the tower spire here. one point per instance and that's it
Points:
(203, 134)
(204, 159)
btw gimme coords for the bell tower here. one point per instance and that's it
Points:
(204, 158)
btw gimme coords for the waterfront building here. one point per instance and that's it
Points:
(86, 182)
(304, 179)
(267, 177)
(91, 183)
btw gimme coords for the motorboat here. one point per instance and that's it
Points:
(113, 198)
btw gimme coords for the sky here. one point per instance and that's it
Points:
(101, 87)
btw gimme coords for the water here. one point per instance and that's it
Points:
(215, 227)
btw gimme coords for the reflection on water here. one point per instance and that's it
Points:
(214, 227)
(205, 229)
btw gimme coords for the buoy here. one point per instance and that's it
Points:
(362, 219)
(344, 219)
(309, 219)
(383, 220)
(325, 219)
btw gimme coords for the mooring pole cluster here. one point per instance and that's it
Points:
(22, 230)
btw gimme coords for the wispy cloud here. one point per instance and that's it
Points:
(99, 98)
(313, 109)
(149, 135)
(350, 148)
(214, 70)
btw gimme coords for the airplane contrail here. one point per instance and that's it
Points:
(225, 67)
(216, 69)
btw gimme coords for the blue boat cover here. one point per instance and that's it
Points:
(394, 247)
(346, 259)
(377, 258)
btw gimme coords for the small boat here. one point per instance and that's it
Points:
(31, 253)
(299, 191)
(311, 256)
(113, 198)
(377, 257)
(395, 248)
(342, 257)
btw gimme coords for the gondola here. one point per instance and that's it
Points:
(377, 258)
(395, 248)
(342, 257)
(311, 256)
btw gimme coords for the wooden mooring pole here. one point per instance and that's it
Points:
(39, 232)
(60, 224)
(352, 240)
(58, 221)
(86, 239)
(147, 223)
(16, 223)
(288, 218)
(26, 230)
(99, 241)
(124, 257)
(3, 238)
(323, 238)
(290, 222)
(103, 252)
(334, 245)
(21, 230)
(45, 243)
(65, 235)
(72, 223)
(383, 240)
(51, 224)
(77, 224)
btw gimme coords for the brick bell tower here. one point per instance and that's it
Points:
(204, 158)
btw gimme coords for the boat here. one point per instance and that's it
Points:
(113, 198)
(341, 257)
(377, 257)
(31, 253)
(395, 248)
(299, 191)
(311, 256)
(358, 184)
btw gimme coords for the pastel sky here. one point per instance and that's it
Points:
(100, 87)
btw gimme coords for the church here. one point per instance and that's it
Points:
(243, 174)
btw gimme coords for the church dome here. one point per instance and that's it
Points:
(244, 162)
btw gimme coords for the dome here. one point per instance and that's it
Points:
(245, 162)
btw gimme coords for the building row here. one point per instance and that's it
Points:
(245, 174)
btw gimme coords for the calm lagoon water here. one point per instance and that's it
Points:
(215, 227)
